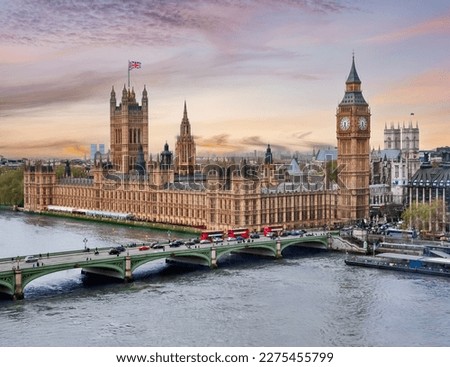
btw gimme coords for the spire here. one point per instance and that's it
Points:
(353, 76)
(113, 97)
(185, 128)
(353, 94)
(185, 116)
(268, 158)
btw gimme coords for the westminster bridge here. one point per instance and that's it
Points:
(15, 273)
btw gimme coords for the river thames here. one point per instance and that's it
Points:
(308, 298)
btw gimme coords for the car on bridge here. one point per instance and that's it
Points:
(176, 243)
(114, 251)
(30, 259)
(157, 245)
(144, 248)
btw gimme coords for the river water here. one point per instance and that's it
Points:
(308, 298)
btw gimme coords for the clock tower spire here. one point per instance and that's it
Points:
(353, 142)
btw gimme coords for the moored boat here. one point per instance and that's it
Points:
(403, 262)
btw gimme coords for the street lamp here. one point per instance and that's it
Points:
(85, 242)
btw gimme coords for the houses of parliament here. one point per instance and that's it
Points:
(179, 189)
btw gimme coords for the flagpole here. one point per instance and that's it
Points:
(128, 74)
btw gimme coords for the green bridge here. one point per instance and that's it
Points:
(15, 274)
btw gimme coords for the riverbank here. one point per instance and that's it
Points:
(341, 245)
(129, 223)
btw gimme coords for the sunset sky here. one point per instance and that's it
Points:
(252, 72)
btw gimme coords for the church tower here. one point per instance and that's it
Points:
(128, 131)
(185, 148)
(353, 142)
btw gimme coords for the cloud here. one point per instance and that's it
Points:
(76, 150)
(134, 22)
(112, 25)
(301, 134)
(228, 144)
(221, 143)
(47, 148)
(427, 88)
(69, 88)
(438, 25)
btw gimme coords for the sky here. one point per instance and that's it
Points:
(252, 72)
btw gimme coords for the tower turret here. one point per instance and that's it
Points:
(128, 131)
(353, 136)
(185, 155)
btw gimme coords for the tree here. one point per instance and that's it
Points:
(11, 186)
(421, 216)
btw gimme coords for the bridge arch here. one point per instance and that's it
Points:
(319, 242)
(203, 256)
(222, 251)
(6, 287)
(117, 268)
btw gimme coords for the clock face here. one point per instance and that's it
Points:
(345, 123)
(362, 123)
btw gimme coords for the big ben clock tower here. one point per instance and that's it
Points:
(353, 143)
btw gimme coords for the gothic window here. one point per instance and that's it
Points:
(406, 143)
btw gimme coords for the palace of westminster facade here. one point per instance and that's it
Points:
(214, 195)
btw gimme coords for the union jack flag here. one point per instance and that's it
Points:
(134, 65)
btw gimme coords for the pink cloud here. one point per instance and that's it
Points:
(427, 88)
(439, 25)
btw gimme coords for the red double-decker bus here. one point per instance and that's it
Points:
(236, 232)
(270, 231)
(211, 235)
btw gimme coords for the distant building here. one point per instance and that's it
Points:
(326, 155)
(393, 167)
(94, 148)
(431, 183)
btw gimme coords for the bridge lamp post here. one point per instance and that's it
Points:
(85, 242)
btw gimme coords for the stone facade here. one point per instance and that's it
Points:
(393, 167)
(353, 136)
(215, 195)
(431, 185)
